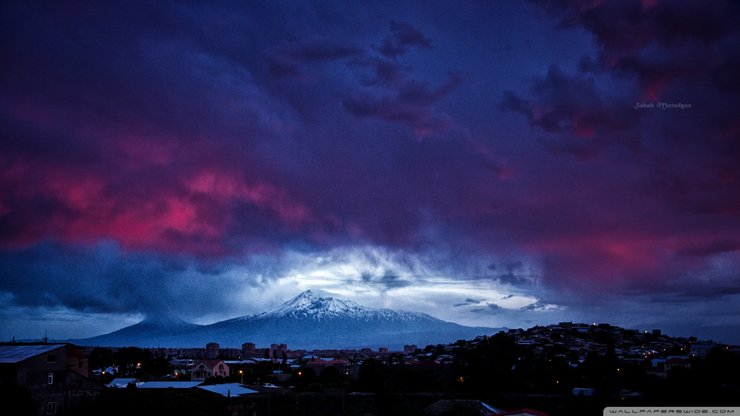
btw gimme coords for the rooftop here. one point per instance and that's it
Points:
(11, 354)
(168, 384)
(228, 389)
(120, 383)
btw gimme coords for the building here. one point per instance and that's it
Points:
(212, 351)
(319, 364)
(278, 350)
(205, 369)
(171, 397)
(248, 349)
(676, 362)
(54, 376)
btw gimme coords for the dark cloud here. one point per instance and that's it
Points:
(539, 305)
(411, 103)
(623, 29)
(403, 36)
(288, 60)
(586, 120)
(384, 282)
(615, 23)
(468, 302)
(319, 50)
(515, 275)
(490, 308)
(104, 280)
(386, 72)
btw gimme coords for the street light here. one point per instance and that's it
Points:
(241, 373)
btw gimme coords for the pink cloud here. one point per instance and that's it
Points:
(84, 205)
(224, 186)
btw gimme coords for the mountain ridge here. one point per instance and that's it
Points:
(310, 320)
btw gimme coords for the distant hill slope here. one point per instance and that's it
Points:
(147, 333)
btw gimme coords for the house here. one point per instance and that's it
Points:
(319, 364)
(54, 377)
(205, 369)
(662, 366)
(676, 362)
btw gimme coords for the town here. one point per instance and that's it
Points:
(568, 368)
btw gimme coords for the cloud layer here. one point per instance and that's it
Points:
(548, 152)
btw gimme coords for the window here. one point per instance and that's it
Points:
(51, 408)
(50, 380)
(51, 359)
(221, 367)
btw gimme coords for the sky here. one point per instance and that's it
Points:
(498, 164)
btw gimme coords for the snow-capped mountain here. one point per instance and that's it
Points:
(313, 319)
(317, 305)
(320, 305)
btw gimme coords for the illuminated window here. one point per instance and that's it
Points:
(50, 380)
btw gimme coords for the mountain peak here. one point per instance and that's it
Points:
(317, 303)
(314, 294)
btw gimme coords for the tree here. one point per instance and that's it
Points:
(101, 357)
(372, 375)
(490, 362)
(331, 375)
(20, 398)
(130, 359)
(156, 367)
